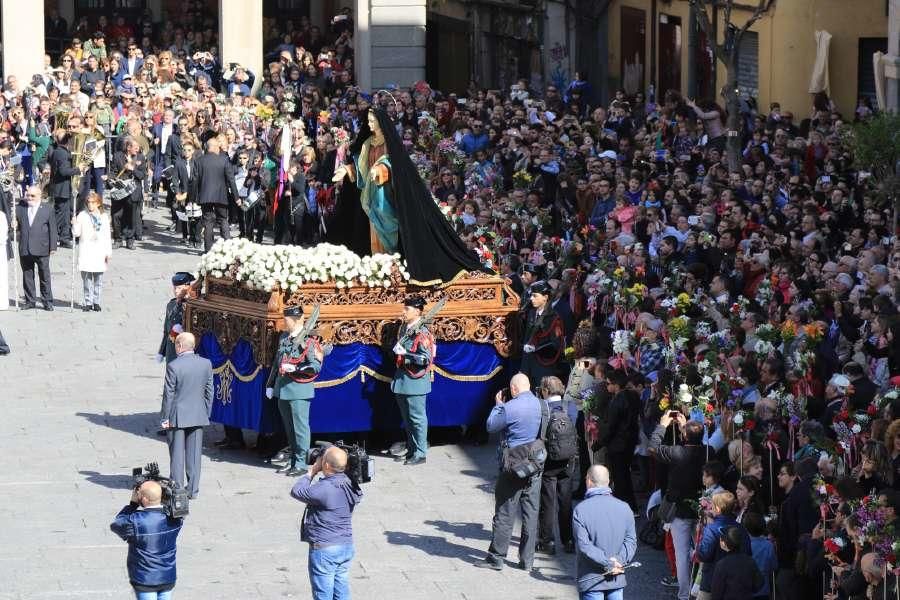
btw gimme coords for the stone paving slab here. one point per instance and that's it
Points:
(80, 394)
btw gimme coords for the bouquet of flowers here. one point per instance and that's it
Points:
(834, 545)
(680, 331)
(423, 165)
(764, 292)
(621, 341)
(264, 268)
(341, 136)
(788, 331)
(744, 420)
(522, 179)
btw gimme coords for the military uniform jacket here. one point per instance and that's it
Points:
(174, 316)
(545, 332)
(413, 374)
(307, 358)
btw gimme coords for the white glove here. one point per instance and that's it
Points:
(528, 348)
(399, 349)
(288, 368)
(160, 358)
(177, 328)
(270, 392)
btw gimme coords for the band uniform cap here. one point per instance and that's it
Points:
(182, 278)
(415, 302)
(293, 311)
(541, 287)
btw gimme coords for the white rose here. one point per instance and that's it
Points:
(738, 419)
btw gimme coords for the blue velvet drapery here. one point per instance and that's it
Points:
(353, 391)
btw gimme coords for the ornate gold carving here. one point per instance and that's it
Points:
(482, 329)
(481, 308)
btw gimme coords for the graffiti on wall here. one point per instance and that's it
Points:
(559, 75)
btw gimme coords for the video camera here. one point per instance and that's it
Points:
(174, 497)
(360, 467)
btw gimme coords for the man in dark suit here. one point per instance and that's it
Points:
(133, 63)
(215, 180)
(187, 401)
(61, 173)
(185, 190)
(166, 150)
(126, 213)
(37, 241)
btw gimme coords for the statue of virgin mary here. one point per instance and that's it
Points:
(402, 215)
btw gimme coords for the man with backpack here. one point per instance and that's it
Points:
(558, 481)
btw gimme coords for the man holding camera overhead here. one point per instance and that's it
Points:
(151, 537)
(327, 523)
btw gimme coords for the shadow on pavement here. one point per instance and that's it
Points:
(116, 482)
(435, 545)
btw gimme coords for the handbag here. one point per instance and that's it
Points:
(667, 509)
(526, 460)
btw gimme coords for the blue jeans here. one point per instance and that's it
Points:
(618, 594)
(328, 571)
(153, 595)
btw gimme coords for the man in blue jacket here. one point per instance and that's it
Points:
(519, 417)
(605, 539)
(151, 537)
(327, 524)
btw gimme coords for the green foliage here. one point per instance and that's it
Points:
(875, 144)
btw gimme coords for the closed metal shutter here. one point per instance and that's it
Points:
(748, 65)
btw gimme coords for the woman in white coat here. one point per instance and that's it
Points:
(91, 227)
(4, 265)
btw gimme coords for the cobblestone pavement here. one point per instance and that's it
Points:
(79, 396)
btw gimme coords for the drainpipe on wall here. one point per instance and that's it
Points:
(652, 79)
(693, 43)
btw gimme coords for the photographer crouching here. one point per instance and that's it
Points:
(327, 523)
(151, 535)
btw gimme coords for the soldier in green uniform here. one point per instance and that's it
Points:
(415, 351)
(544, 335)
(173, 324)
(298, 361)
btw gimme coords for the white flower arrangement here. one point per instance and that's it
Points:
(263, 267)
(621, 339)
(762, 347)
(684, 394)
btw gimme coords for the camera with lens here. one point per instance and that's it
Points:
(174, 497)
(360, 467)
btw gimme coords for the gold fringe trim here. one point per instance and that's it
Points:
(439, 282)
(364, 370)
(233, 372)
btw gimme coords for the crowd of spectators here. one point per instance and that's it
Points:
(760, 305)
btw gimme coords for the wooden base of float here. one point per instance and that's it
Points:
(480, 308)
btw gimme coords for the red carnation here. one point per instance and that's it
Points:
(843, 416)
(750, 424)
(871, 410)
(831, 547)
(709, 407)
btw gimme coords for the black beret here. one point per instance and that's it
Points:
(182, 278)
(415, 302)
(293, 311)
(541, 287)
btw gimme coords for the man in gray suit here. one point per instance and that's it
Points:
(187, 401)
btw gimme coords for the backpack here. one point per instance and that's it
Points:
(562, 441)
